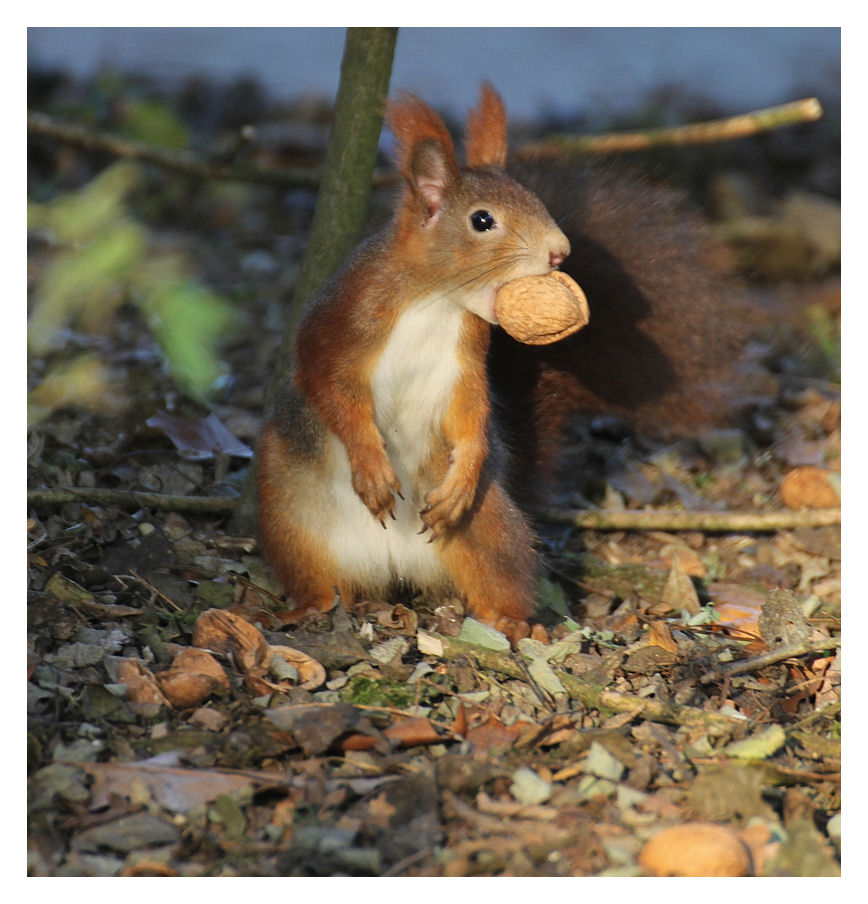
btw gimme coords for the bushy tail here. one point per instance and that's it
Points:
(662, 347)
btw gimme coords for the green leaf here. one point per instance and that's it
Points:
(189, 320)
(81, 382)
(602, 764)
(481, 635)
(84, 281)
(76, 216)
(529, 788)
(153, 122)
(544, 675)
(550, 595)
(102, 260)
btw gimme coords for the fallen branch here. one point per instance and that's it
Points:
(200, 167)
(741, 126)
(791, 651)
(186, 162)
(213, 505)
(654, 519)
(711, 521)
(592, 696)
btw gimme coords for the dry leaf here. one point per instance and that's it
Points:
(318, 728)
(782, 620)
(148, 868)
(358, 742)
(410, 732)
(492, 733)
(459, 726)
(208, 718)
(199, 439)
(176, 789)
(737, 607)
(830, 691)
(696, 849)
(690, 560)
(679, 592)
(660, 635)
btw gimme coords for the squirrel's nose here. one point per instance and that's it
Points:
(559, 248)
(558, 256)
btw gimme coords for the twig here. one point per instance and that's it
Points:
(155, 590)
(826, 712)
(791, 651)
(589, 695)
(589, 520)
(410, 860)
(213, 505)
(778, 768)
(483, 821)
(721, 522)
(185, 162)
(544, 698)
(198, 166)
(741, 126)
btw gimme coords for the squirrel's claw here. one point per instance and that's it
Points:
(376, 484)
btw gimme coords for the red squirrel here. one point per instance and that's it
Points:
(384, 458)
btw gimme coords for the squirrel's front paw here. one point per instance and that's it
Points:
(445, 505)
(376, 484)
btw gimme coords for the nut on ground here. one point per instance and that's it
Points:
(697, 849)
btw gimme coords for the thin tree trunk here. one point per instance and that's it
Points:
(342, 203)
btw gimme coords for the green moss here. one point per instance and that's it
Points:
(378, 692)
(624, 579)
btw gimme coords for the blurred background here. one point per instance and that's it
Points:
(133, 263)
(561, 72)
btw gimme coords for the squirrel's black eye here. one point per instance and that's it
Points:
(482, 220)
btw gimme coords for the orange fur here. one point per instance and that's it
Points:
(465, 429)
(486, 131)
(386, 420)
(491, 561)
(307, 571)
(412, 122)
(390, 379)
(337, 380)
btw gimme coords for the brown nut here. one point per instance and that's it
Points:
(538, 310)
(809, 487)
(696, 849)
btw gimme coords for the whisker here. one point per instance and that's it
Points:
(511, 230)
(481, 272)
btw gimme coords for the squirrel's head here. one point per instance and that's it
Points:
(467, 230)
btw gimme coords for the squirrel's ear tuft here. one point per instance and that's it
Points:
(425, 154)
(413, 122)
(486, 131)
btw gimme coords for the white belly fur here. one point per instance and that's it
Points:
(412, 385)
